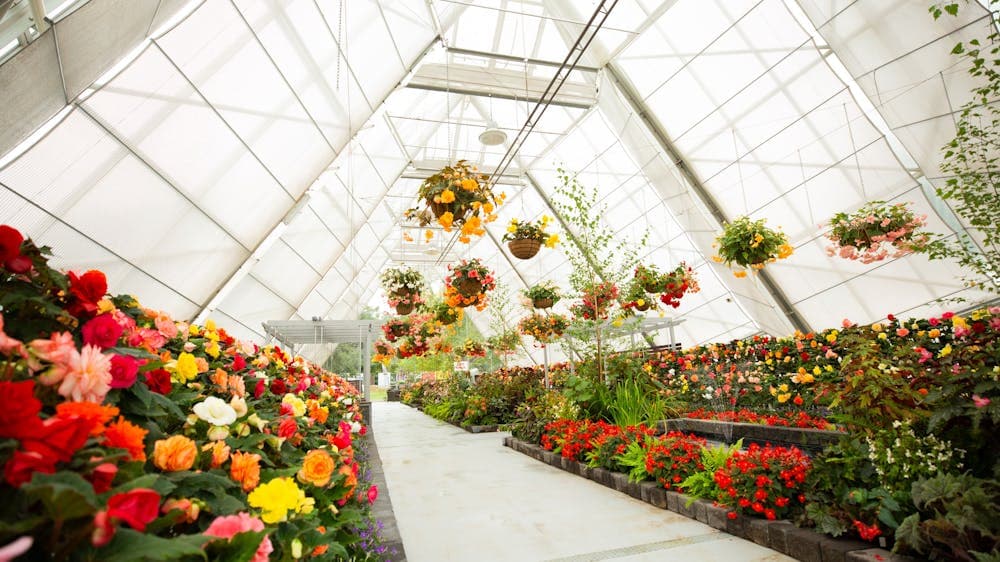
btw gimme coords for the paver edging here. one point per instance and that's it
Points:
(799, 543)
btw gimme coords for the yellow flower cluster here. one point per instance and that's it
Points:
(277, 497)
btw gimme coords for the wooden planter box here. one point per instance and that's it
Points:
(812, 440)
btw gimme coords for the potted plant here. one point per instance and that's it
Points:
(525, 238)
(396, 328)
(677, 283)
(401, 281)
(877, 231)
(460, 196)
(470, 278)
(543, 295)
(649, 278)
(472, 348)
(750, 244)
(634, 296)
(598, 298)
(405, 303)
(445, 314)
(545, 328)
(504, 342)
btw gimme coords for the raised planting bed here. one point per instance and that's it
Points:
(469, 428)
(802, 544)
(813, 440)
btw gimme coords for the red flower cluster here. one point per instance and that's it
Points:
(10, 251)
(763, 480)
(867, 532)
(573, 438)
(613, 440)
(782, 419)
(674, 457)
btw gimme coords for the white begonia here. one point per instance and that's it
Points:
(215, 411)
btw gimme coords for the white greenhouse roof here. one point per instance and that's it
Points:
(250, 161)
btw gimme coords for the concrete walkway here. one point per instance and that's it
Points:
(459, 496)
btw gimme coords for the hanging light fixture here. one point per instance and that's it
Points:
(492, 135)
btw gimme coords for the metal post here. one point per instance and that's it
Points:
(545, 357)
(367, 365)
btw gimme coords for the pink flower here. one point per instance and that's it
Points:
(15, 548)
(372, 494)
(88, 376)
(846, 323)
(902, 332)
(229, 526)
(979, 401)
(123, 371)
(947, 315)
(58, 349)
(125, 321)
(925, 355)
(102, 331)
(166, 326)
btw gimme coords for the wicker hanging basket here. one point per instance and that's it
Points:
(403, 309)
(440, 208)
(524, 249)
(399, 330)
(542, 303)
(467, 287)
(643, 307)
(652, 287)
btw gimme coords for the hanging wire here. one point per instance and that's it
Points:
(857, 159)
(739, 171)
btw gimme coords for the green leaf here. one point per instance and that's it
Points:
(239, 548)
(129, 545)
(908, 533)
(65, 495)
(951, 8)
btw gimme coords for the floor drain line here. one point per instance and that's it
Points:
(641, 548)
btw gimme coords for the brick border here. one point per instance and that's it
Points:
(802, 544)
(730, 432)
(382, 508)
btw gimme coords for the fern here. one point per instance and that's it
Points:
(702, 484)
(634, 458)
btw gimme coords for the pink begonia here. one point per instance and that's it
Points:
(87, 377)
(125, 321)
(230, 525)
(166, 325)
(58, 350)
(979, 401)
(9, 345)
(15, 548)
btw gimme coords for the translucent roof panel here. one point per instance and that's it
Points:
(252, 160)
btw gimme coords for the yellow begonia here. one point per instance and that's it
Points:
(551, 241)
(945, 351)
(445, 221)
(447, 196)
(279, 496)
(210, 325)
(740, 273)
(186, 368)
(297, 404)
(212, 348)
(469, 184)
(194, 330)
(784, 251)
(782, 398)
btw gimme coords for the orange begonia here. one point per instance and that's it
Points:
(174, 453)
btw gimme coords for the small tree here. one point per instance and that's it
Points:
(972, 162)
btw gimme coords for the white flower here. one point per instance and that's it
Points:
(355, 427)
(240, 405)
(215, 411)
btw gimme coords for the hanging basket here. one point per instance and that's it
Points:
(524, 249)
(403, 309)
(467, 287)
(643, 307)
(403, 293)
(399, 330)
(542, 303)
(652, 287)
(440, 208)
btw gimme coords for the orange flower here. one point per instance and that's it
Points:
(202, 364)
(220, 379)
(94, 415)
(317, 468)
(220, 452)
(174, 453)
(245, 469)
(320, 550)
(317, 412)
(351, 480)
(122, 434)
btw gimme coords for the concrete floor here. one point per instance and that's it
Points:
(459, 496)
